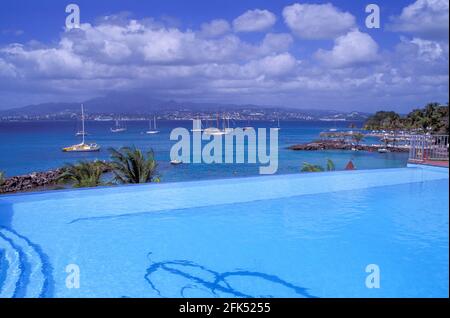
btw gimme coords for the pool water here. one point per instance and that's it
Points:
(306, 235)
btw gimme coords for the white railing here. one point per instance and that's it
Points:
(429, 147)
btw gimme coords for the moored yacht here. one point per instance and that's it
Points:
(118, 128)
(83, 146)
(153, 130)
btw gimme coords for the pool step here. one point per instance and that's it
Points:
(13, 271)
(25, 276)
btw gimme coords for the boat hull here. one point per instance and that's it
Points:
(82, 148)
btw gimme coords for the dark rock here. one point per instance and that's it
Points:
(338, 145)
(30, 181)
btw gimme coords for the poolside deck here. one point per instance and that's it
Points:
(434, 163)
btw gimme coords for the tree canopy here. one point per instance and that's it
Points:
(433, 118)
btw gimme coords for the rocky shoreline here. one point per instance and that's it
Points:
(338, 145)
(30, 181)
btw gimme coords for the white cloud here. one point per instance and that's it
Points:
(254, 21)
(317, 21)
(215, 28)
(350, 49)
(274, 65)
(6, 69)
(276, 42)
(53, 62)
(425, 18)
(428, 50)
(169, 62)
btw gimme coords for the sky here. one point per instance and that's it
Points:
(302, 54)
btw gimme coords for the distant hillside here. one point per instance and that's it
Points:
(117, 104)
(139, 104)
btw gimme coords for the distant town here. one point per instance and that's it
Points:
(244, 114)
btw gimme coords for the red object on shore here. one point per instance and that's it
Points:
(350, 166)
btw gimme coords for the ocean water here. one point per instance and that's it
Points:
(36, 146)
(304, 235)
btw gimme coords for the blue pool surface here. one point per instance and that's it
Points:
(304, 235)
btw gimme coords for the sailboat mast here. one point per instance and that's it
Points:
(82, 122)
(154, 122)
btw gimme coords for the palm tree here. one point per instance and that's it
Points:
(330, 165)
(307, 167)
(2, 178)
(84, 174)
(131, 165)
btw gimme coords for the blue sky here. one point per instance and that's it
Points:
(304, 54)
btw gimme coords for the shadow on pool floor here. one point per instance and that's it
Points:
(214, 283)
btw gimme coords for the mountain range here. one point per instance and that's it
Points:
(127, 104)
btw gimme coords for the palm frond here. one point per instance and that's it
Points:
(131, 165)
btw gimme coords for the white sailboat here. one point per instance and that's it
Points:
(226, 126)
(154, 130)
(196, 128)
(334, 129)
(248, 127)
(83, 146)
(216, 131)
(278, 124)
(118, 128)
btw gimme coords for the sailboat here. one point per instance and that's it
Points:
(248, 127)
(152, 131)
(334, 129)
(197, 129)
(118, 128)
(278, 124)
(83, 146)
(226, 126)
(216, 131)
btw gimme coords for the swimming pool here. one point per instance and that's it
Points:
(307, 235)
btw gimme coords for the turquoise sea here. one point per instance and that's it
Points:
(36, 146)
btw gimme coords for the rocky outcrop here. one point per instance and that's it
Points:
(337, 145)
(30, 181)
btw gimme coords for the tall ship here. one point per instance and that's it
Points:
(217, 131)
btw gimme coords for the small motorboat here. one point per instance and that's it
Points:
(176, 162)
(383, 150)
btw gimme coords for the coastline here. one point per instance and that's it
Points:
(30, 182)
(338, 145)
